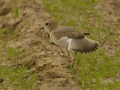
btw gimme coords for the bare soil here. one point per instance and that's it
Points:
(40, 56)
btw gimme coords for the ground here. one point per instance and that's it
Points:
(24, 44)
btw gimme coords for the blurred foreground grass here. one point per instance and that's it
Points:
(98, 70)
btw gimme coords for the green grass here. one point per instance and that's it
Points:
(95, 71)
(15, 78)
(15, 13)
(12, 54)
(8, 34)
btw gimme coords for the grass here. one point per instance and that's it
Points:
(15, 13)
(9, 52)
(14, 78)
(13, 54)
(98, 70)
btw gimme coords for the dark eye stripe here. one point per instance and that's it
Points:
(46, 24)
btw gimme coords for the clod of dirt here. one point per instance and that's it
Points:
(1, 81)
(4, 11)
(55, 74)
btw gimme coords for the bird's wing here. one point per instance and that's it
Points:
(83, 45)
(66, 31)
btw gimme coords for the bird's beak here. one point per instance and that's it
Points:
(41, 28)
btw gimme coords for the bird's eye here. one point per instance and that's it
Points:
(46, 24)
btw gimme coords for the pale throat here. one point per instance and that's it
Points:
(47, 29)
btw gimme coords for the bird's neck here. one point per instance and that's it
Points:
(53, 29)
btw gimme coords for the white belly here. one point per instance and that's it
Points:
(63, 42)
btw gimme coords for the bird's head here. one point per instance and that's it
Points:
(50, 25)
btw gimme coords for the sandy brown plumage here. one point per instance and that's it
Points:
(67, 31)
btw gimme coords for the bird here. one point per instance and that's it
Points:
(69, 38)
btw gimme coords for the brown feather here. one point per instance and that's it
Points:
(83, 45)
(67, 31)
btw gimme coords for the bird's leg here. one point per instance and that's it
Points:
(74, 58)
(68, 57)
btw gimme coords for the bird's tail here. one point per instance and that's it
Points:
(83, 45)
